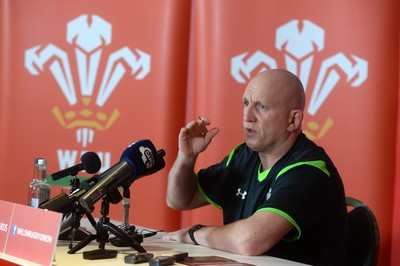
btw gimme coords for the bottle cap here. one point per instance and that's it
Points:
(40, 161)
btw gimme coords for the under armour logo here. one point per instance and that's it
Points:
(241, 194)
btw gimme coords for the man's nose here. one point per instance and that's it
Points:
(248, 113)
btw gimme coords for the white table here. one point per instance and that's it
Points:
(154, 244)
(158, 246)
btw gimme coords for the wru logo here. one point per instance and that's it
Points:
(88, 36)
(300, 42)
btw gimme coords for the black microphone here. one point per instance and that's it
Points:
(139, 159)
(90, 162)
(63, 203)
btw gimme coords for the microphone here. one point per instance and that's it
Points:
(90, 162)
(139, 159)
(63, 203)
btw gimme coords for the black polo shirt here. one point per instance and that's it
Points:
(304, 187)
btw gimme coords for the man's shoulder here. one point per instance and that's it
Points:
(306, 148)
(241, 153)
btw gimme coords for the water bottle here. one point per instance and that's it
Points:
(39, 189)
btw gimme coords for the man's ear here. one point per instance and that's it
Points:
(295, 120)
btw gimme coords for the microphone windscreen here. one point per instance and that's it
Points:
(140, 155)
(91, 162)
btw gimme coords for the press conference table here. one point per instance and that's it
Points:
(158, 246)
(155, 245)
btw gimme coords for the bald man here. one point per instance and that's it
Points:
(280, 193)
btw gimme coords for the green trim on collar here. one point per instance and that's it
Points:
(262, 175)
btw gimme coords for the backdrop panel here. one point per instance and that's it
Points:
(346, 55)
(97, 76)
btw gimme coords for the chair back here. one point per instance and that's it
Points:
(363, 234)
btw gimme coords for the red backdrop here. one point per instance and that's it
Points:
(130, 85)
(166, 62)
(346, 55)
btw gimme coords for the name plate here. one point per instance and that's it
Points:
(28, 233)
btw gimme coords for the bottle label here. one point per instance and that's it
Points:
(35, 202)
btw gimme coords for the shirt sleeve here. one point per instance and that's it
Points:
(299, 196)
(210, 181)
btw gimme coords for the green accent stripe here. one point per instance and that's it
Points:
(287, 217)
(231, 154)
(318, 164)
(262, 175)
(204, 194)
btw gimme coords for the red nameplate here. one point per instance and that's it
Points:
(6, 209)
(28, 233)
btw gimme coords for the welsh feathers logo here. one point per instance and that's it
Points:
(300, 42)
(87, 36)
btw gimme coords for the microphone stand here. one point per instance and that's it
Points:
(103, 227)
(126, 204)
(126, 226)
(131, 229)
(74, 232)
